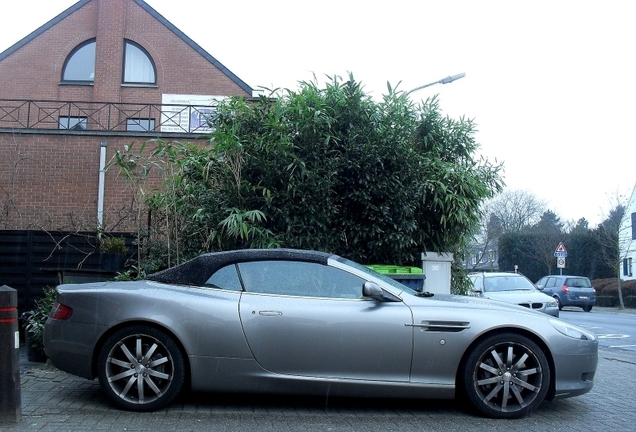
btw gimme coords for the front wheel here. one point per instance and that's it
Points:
(506, 376)
(558, 300)
(141, 368)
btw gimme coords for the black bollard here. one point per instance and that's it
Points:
(10, 398)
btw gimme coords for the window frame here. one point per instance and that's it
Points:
(152, 124)
(71, 55)
(82, 121)
(128, 42)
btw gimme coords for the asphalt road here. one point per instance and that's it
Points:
(615, 329)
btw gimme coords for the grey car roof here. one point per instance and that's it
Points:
(198, 270)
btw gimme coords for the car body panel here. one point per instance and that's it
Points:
(288, 335)
(408, 344)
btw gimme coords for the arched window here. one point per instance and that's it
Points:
(138, 66)
(80, 64)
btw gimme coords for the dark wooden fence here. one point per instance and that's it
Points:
(32, 260)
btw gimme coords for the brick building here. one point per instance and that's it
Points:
(102, 74)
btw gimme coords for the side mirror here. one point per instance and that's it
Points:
(372, 290)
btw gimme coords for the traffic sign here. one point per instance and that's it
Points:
(560, 251)
(560, 262)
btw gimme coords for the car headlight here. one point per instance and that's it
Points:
(553, 303)
(571, 331)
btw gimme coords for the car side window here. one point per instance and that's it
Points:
(478, 283)
(552, 282)
(225, 278)
(297, 278)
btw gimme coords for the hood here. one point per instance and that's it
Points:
(527, 296)
(485, 304)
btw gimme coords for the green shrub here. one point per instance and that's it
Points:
(606, 301)
(114, 245)
(607, 292)
(36, 318)
(630, 301)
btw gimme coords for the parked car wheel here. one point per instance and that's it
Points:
(558, 300)
(141, 368)
(506, 376)
(587, 308)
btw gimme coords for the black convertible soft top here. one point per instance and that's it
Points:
(198, 270)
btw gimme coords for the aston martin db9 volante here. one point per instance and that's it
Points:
(311, 323)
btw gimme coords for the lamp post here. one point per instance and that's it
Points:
(448, 79)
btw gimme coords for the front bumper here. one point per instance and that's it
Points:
(575, 368)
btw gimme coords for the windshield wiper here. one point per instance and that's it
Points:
(424, 294)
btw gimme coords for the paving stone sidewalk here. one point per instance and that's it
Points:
(55, 401)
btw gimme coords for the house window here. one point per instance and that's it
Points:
(140, 125)
(138, 66)
(627, 266)
(80, 64)
(72, 123)
(633, 226)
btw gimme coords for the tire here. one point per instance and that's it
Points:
(558, 300)
(137, 383)
(587, 308)
(506, 376)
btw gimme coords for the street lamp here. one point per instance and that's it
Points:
(448, 79)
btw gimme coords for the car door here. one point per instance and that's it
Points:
(310, 319)
(550, 286)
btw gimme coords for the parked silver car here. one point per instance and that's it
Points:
(512, 288)
(303, 322)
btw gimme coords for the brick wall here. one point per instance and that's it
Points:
(51, 182)
(35, 70)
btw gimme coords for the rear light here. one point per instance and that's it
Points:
(565, 289)
(60, 311)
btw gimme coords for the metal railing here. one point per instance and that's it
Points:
(105, 116)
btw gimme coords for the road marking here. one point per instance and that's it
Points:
(612, 336)
(622, 346)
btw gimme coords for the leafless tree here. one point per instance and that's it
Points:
(510, 211)
(515, 210)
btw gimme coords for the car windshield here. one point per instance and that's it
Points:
(579, 283)
(507, 283)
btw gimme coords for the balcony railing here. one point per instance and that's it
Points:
(105, 116)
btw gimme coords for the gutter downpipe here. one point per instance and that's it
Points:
(100, 191)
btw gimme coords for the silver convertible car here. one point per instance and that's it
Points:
(311, 323)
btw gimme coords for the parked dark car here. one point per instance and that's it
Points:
(569, 290)
(312, 323)
(512, 288)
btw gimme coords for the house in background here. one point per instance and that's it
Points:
(627, 239)
(100, 75)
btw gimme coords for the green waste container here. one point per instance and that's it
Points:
(412, 277)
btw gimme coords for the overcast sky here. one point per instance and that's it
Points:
(549, 83)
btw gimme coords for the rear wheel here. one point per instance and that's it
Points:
(587, 308)
(506, 376)
(141, 368)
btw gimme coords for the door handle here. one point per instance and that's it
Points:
(270, 313)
